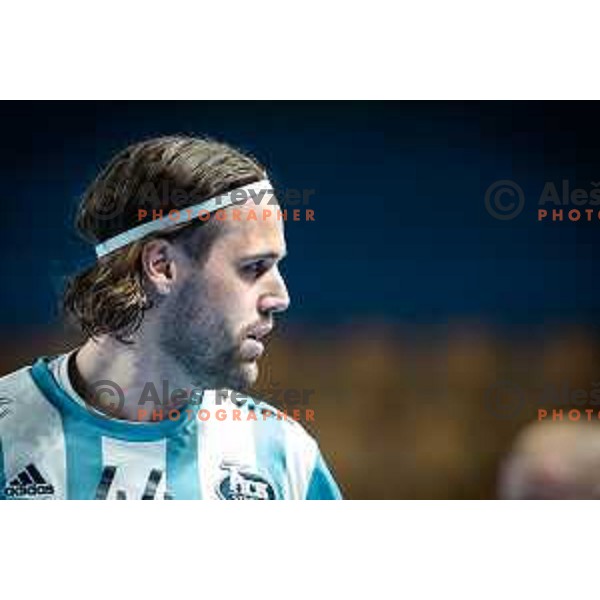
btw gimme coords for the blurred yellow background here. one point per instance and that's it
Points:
(408, 413)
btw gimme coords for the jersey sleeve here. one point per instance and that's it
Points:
(322, 485)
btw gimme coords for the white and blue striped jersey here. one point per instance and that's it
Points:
(52, 446)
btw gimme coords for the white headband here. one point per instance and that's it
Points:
(256, 191)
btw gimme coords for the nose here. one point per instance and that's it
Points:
(276, 298)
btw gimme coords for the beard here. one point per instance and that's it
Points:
(197, 336)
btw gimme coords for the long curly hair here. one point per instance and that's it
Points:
(168, 173)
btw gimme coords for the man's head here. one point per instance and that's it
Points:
(201, 294)
(553, 460)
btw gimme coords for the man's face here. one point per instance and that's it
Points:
(217, 320)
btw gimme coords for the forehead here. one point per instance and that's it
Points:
(252, 229)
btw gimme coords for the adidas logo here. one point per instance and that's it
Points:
(29, 482)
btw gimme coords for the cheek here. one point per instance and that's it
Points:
(234, 298)
(238, 308)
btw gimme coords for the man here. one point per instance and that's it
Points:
(189, 238)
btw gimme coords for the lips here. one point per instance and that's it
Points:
(259, 332)
(253, 347)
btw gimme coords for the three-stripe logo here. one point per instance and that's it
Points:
(28, 482)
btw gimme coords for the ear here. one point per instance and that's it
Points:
(160, 265)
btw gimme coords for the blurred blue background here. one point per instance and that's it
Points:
(401, 230)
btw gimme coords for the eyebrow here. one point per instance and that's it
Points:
(265, 256)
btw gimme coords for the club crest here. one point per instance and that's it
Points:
(240, 484)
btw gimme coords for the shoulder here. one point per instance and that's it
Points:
(281, 435)
(23, 406)
(16, 382)
(16, 392)
(272, 425)
(277, 418)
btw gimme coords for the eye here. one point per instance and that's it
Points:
(255, 268)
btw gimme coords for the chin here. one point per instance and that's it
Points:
(251, 372)
(239, 379)
(246, 376)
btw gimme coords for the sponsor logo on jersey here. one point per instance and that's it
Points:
(149, 493)
(241, 484)
(29, 483)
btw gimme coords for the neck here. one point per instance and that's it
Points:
(142, 386)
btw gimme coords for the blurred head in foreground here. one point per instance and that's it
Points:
(553, 460)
